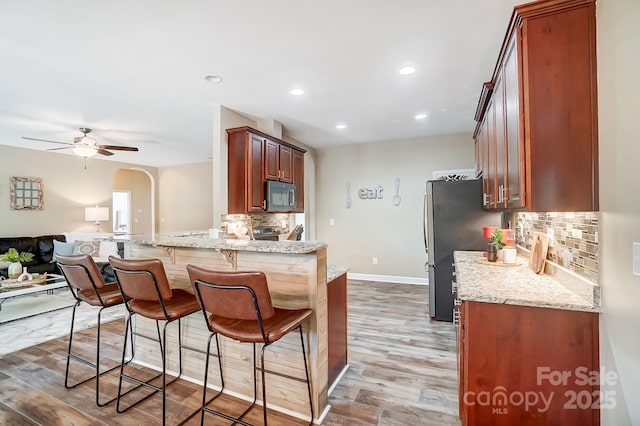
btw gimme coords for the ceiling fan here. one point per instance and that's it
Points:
(86, 146)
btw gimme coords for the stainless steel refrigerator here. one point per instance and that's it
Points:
(453, 220)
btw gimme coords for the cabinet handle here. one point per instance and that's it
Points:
(484, 199)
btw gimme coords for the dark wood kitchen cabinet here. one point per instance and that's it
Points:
(245, 172)
(278, 162)
(337, 326)
(509, 352)
(298, 179)
(542, 128)
(254, 158)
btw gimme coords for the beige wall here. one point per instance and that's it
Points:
(185, 200)
(139, 185)
(619, 107)
(68, 189)
(376, 227)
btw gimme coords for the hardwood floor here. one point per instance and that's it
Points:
(402, 372)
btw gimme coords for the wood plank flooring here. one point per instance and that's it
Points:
(402, 372)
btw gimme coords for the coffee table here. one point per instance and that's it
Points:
(12, 306)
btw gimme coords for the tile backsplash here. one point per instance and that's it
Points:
(258, 219)
(575, 239)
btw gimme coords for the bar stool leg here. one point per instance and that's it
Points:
(264, 386)
(96, 365)
(73, 318)
(306, 372)
(206, 376)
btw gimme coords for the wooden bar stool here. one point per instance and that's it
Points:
(238, 305)
(87, 285)
(144, 284)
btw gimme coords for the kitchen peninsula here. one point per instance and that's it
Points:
(297, 277)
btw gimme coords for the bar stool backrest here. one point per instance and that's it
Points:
(81, 272)
(227, 294)
(141, 279)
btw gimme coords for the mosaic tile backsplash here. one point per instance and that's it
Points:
(575, 235)
(258, 219)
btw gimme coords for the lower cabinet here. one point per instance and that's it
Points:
(528, 365)
(337, 326)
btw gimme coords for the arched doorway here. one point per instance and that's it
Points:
(140, 213)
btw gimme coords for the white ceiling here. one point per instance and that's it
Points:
(134, 70)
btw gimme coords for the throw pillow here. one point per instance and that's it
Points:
(60, 247)
(92, 248)
(108, 248)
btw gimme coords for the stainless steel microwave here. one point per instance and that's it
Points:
(281, 197)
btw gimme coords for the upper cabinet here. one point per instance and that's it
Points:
(278, 161)
(254, 158)
(536, 138)
(298, 179)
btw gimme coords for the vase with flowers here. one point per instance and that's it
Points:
(15, 258)
(495, 244)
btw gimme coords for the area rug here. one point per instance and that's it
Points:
(30, 331)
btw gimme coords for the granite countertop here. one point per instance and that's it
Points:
(334, 271)
(517, 285)
(203, 241)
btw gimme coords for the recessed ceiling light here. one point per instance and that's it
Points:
(213, 79)
(408, 70)
(297, 92)
(421, 116)
(341, 126)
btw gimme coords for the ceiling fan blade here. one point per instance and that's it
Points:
(57, 149)
(118, 147)
(45, 140)
(104, 152)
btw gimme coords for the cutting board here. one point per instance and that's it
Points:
(539, 248)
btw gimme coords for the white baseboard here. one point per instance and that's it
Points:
(388, 278)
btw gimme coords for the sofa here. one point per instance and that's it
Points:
(42, 247)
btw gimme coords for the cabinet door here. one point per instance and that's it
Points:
(498, 104)
(255, 188)
(298, 179)
(515, 151)
(271, 160)
(286, 164)
(492, 186)
(483, 160)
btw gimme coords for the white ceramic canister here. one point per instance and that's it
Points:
(509, 255)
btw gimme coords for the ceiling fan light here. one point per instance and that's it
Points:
(84, 151)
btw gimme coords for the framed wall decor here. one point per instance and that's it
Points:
(26, 193)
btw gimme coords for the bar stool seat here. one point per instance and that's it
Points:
(87, 285)
(237, 304)
(109, 295)
(275, 328)
(182, 303)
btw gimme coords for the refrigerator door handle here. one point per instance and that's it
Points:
(424, 231)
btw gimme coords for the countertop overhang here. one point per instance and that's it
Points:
(517, 285)
(200, 241)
